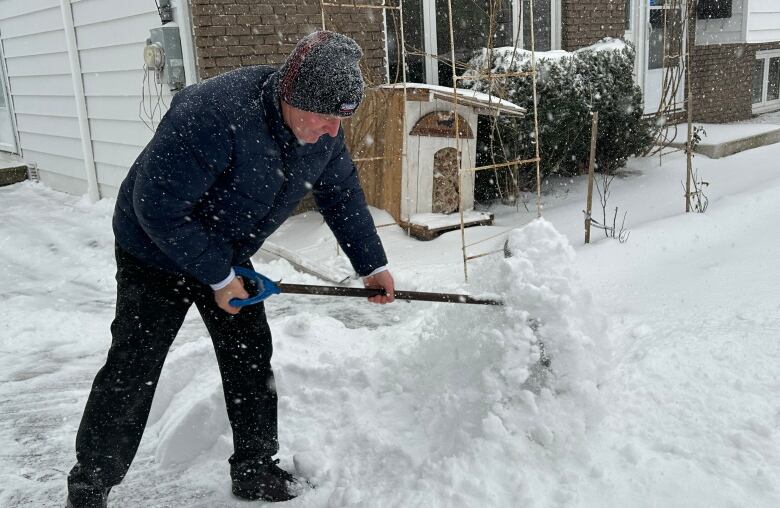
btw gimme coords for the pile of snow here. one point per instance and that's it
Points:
(438, 411)
(434, 404)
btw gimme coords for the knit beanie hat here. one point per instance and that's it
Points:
(321, 75)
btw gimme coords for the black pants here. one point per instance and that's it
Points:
(151, 306)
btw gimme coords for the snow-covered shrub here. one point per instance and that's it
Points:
(570, 86)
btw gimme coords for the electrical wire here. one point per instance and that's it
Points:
(151, 113)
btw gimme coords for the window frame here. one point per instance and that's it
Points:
(765, 106)
(629, 17)
(431, 70)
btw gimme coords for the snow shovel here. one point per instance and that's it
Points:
(267, 288)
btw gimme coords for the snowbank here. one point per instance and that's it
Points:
(452, 407)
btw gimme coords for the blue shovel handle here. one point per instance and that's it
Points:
(266, 286)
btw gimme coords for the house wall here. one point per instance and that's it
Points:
(721, 82)
(584, 23)
(763, 22)
(110, 37)
(41, 91)
(723, 31)
(236, 33)
(722, 61)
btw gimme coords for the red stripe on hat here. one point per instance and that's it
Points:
(296, 60)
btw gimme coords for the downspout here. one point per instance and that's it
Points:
(81, 104)
(181, 14)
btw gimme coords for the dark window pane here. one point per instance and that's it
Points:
(669, 21)
(758, 81)
(413, 34)
(773, 86)
(471, 25)
(628, 14)
(656, 40)
(542, 25)
(713, 9)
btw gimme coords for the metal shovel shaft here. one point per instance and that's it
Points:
(306, 289)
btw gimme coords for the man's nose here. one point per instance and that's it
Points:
(332, 127)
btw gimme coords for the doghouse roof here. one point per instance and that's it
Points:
(482, 103)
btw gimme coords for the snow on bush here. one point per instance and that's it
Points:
(570, 86)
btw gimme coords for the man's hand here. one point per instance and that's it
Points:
(381, 280)
(235, 289)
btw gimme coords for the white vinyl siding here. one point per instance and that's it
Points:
(43, 106)
(33, 39)
(111, 35)
(763, 22)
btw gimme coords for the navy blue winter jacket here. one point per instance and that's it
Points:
(223, 172)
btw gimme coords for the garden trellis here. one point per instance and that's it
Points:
(396, 7)
(678, 28)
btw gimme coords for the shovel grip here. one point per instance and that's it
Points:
(266, 287)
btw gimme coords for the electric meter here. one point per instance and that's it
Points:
(163, 55)
(154, 55)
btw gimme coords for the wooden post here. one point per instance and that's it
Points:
(591, 165)
(689, 107)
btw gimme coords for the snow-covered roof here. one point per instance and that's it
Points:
(478, 100)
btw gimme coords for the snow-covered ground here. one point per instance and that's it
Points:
(663, 389)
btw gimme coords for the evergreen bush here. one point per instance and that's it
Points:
(569, 86)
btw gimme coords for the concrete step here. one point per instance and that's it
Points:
(723, 140)
(12, 169)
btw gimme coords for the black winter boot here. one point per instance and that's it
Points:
(262, 479)
(85, 489)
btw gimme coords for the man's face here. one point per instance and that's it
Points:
(308, 127)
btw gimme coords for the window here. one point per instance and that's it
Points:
(766, 81)
(758, 81)
(471, 26)
(542, 24)
(628, 12)
(713, 9)
(415, 43)
(773, 83)
(665, 36)
(427, 33)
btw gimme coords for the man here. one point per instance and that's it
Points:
(228, 164)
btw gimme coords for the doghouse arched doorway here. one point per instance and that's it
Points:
(446, 192)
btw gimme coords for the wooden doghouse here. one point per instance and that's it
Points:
(423, 190)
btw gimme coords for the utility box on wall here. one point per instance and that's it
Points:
(163, 55)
